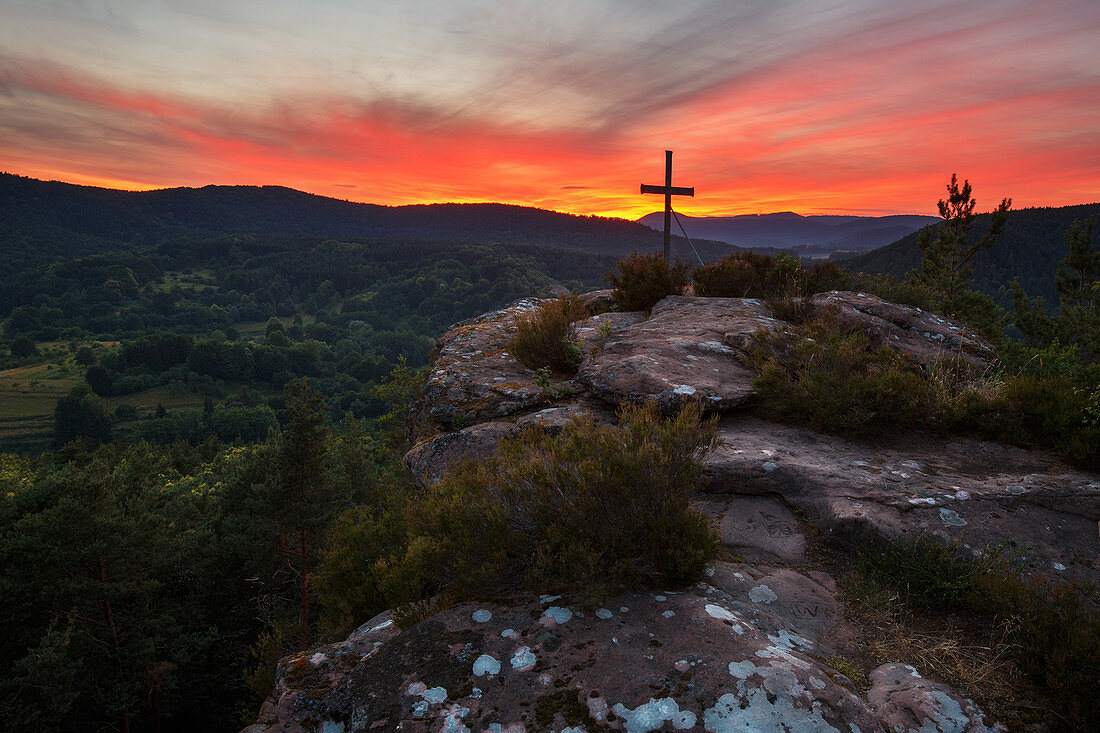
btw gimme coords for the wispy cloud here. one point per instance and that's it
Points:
(788, 104)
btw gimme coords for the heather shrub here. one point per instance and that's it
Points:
(545, 337)
(1051, 627)
(829, 376)
(643, 280)
(593, 509)
(751, 275)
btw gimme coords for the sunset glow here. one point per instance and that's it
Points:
(856, 107)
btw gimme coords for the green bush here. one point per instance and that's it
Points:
(545, 337)
(1051, 626)
(593, 509)
(828, 375)
(643, 280)
(751, 275)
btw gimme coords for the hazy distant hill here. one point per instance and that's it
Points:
(44, 220)
(789, 230)
(1032, 245)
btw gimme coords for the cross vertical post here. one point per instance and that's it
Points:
(669, 191)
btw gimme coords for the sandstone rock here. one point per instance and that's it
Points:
(758, 528)
(645, 662)
(977, 493)
(292, 708)
(593, 331)
(737, 653)
(923, 335)
(682, 352)
(473, 377)
(432, 457)
(906, 701)
(598, 301)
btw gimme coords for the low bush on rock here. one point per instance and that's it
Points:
(830, 376)
(1051, 626)
(751, 275)
(545, 337)
(643, 280)
(593, 509)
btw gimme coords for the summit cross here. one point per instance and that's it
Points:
(669, 191)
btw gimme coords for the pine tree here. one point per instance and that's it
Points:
(946, 270)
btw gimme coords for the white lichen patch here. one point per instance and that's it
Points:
(660, 598)
(753, 711)
(1059, 566)
(548, 599)
(555, 615)
(951, 518)
(684, 389)
(486, 664)
(788, 640)
(509, 634)
(762, 594)
(385, 624)
(769, 466)
(452, 720)
(603, 613)
(653, 715)
(510, 728)
(720, 613)
(668, 614)
(523, 660)
(481, 615)
(924, 500)
(318, 659)
(428, 696)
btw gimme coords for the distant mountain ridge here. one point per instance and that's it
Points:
(788, 230)
(43, 220)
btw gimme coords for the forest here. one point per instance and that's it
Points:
(201, 434)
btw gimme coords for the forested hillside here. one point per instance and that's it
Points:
(209, 326)
(1029, 249)
(41, 221)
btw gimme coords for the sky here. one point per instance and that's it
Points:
(813, 106)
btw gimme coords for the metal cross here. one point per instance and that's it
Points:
(669, 191)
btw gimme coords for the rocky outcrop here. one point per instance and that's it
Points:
(749, 648)
(922, 335)
(689, 348)
(979, 494)
(473, 376)
(744, 650)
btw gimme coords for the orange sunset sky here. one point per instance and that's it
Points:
(770, 105)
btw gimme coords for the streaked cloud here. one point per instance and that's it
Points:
(769, 104)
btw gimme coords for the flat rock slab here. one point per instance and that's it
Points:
(687, 349)
(781, 600)
(922, 335)
(722, 657)
(977, 493)
(594, 331)
(758, 528)
(473, 377)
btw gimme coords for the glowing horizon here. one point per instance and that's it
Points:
(861, 108)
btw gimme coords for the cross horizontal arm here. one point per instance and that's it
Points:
(671, 190)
